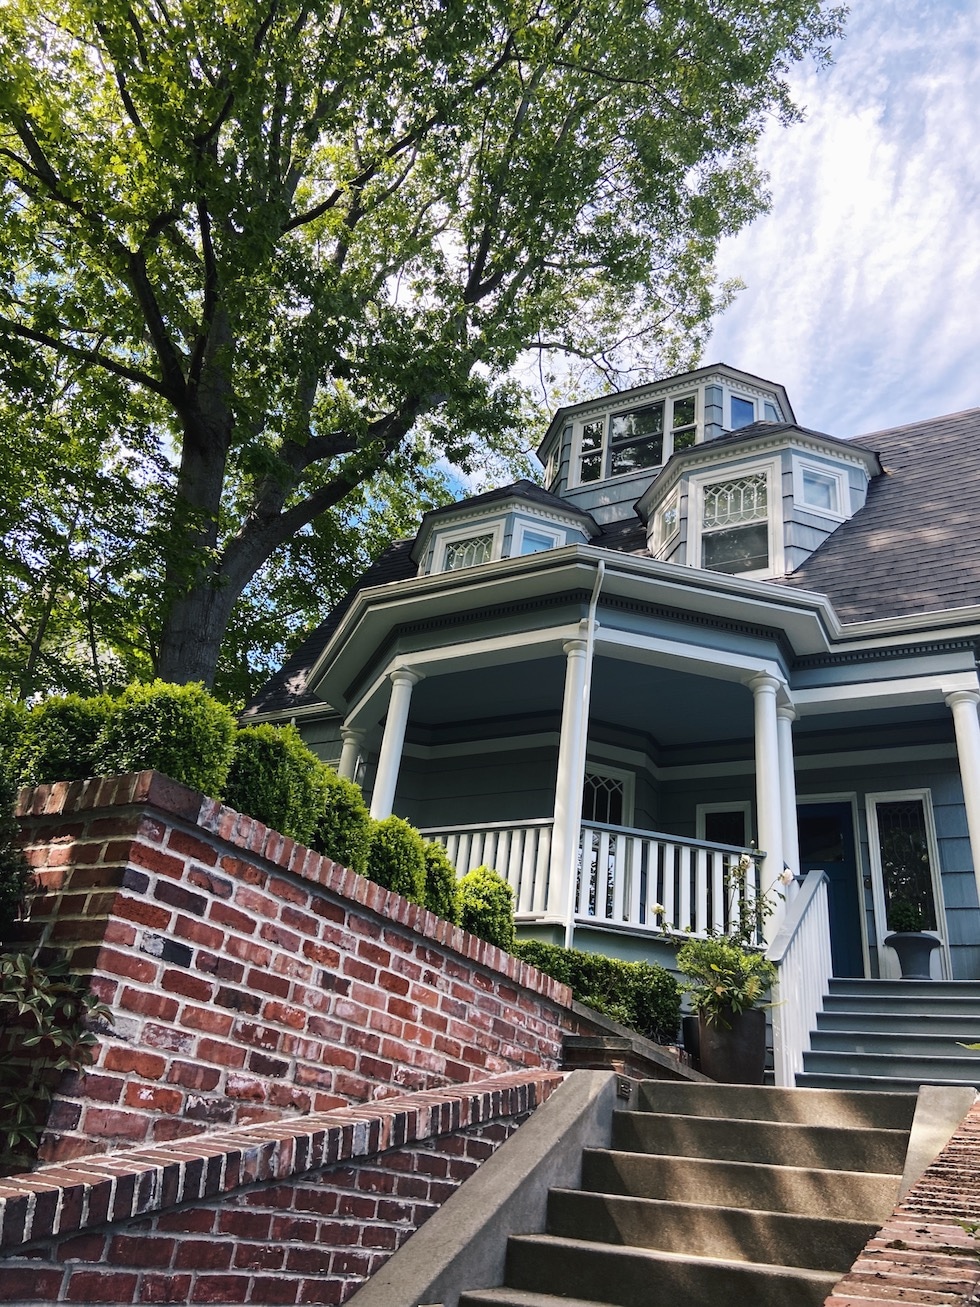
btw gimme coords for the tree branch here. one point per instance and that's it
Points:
(85, 355)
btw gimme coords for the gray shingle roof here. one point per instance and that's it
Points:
(913, 548)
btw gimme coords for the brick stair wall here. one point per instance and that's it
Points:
(298, 1211)
(249, 977)
(923, 1256)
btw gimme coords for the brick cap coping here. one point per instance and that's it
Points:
(92, 1191)
(151, 789)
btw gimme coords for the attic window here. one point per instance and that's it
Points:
(535, 539)
(735, 525)
(743, 412)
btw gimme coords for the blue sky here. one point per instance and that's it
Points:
(862, 284)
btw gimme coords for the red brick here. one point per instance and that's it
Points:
(105, 1123)
(156, 860)
(153, 1098)
(267, 982)
(140, 1250)
(248, 1225)
(165, 1288)
(232, 918)
(192, 847)
(193, 1076)
(199, 932)
(101, 1286)
(282, 938)
(204, 1018)
(35, 1285)
(204, 1254)
(187, 1220)
(146, 914)
(223, 1054)
(259, 1256)
(148, 1004)
(220, 1289)
(181, 982)
(215, 885)
(128, 965)
(118, 932)
(80, 1248)
(250, 900)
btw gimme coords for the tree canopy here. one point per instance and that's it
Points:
(263, 261)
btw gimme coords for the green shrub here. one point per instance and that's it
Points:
(397, 858)
(179, 730)
(487, 906)
(344, 829)
(277, 779)
(60, 737)
(723, 977)
(15, 874)
(641, 995)
(13, 718)
(441, 884)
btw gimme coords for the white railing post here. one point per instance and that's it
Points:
(801, 952)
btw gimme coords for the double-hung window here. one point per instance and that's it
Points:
(735, 524)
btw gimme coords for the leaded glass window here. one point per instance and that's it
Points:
(906, 870)
(735, 526)
(468, 552)
(602, 799)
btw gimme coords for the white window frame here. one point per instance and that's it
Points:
(522, 528)
(616, 774)
(774, 498)
(746, 399)
(662, 538)
(836, 475)
(888, 967)
(468, 532)
(575, 479)
(743, 806)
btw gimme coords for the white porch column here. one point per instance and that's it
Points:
(568, 788)
(785, 717)
(767, 786)
(967, 727)
(402, 682)
(349, 754)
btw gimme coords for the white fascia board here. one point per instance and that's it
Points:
(901, 692)
(807, 619)
(719, 664)
(884, 631)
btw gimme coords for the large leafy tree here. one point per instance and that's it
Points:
(305, 244)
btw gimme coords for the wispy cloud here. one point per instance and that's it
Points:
(863, 283)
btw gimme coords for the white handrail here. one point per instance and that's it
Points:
(801, 952)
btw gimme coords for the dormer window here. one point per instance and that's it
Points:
(820, 489)
(467, 547)
(735, 525)
(635, 439)
(743, 412)
(534, 539)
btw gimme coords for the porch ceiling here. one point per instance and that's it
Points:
(668, 707)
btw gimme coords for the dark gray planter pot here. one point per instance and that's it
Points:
(914, 949)
(735, 1056)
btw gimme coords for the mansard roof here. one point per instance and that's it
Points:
(914, 546)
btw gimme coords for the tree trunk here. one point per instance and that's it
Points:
(193, 631)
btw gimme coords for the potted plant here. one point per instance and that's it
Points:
(727, 984)
(910, 940)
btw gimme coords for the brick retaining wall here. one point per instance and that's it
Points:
(296, 1212)
(249, 977)
(923, 1256)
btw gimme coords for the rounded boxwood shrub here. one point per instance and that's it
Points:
(343, 831)
(397, 858)
(15, 875)
(277, 779)
(179, 730)
(641, 995)
(441, 884)
(487, 906)
(13, 718)
(59, 739)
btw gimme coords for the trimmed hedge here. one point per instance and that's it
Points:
(397, 858)
(15, 875)
(179, 730)
(641, 995)
(441, 885)
(344, 826)
(275, 778)
(60, 739)
(487, 906)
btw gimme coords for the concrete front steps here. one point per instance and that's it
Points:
(894, 1035)
(716, 1194)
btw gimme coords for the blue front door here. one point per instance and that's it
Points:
(827, 844)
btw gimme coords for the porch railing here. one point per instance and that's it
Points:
(801, 951)
(640, 880)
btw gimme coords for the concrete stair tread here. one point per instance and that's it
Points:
(868, 1084)
(757, 1235)
(777, 1143)
(635, 1277)
(508, 1297)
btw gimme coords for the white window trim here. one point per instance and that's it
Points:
(802, 465)
(668, 400)
(521, 529)
(887, 966)
(774, 497)
(662, 540)
(476, 528)
(617, 774)
(736, 805)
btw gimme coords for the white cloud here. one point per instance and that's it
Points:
(862, 282)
